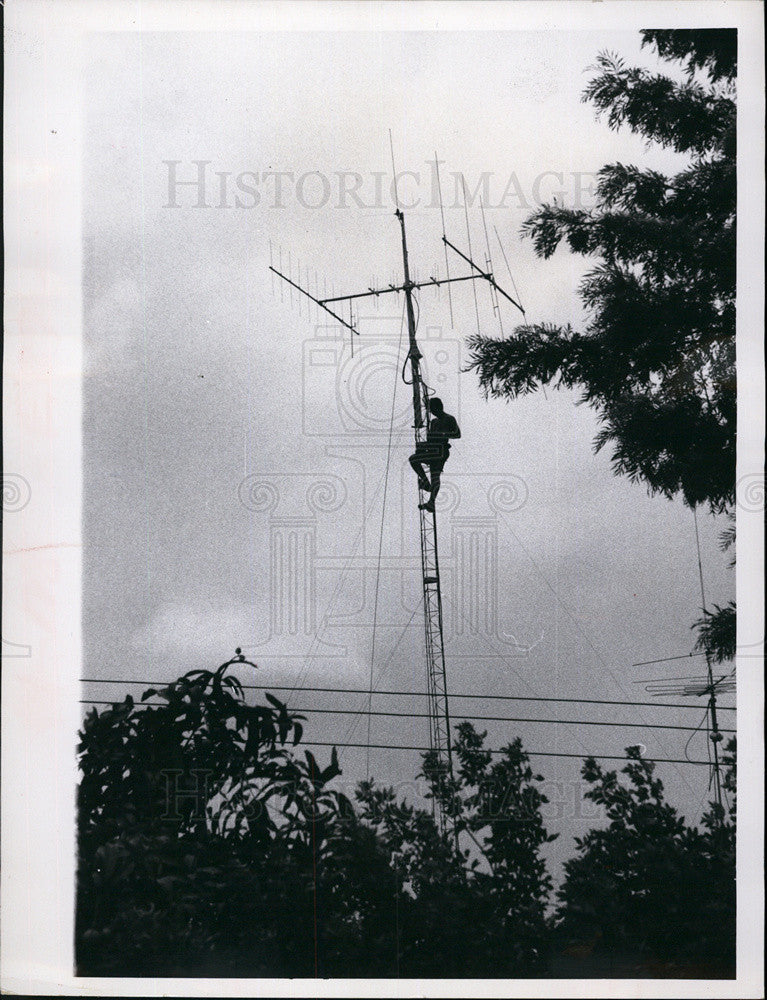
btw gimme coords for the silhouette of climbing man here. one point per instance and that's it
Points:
(434, 451)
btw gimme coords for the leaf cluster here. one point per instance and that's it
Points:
(656, 359)
(646, 882)
(207, 850)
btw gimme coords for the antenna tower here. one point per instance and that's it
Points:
(706, 686)
(436, 677)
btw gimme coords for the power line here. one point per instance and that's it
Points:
(666, 659)
(530, 753)
(511, 718)
(466, 718)
(421, 694)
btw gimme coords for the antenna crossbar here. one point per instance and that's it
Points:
(431, 283)
(320, 302)
(483, 274)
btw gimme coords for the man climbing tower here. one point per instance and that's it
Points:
(434, 451)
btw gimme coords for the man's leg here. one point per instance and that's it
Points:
(417, 465)
(436, 482)
(435, 468)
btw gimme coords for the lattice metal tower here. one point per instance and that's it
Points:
(436, 675)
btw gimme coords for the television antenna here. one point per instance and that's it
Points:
(440, 756)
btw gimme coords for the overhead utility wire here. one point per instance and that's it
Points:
(665, 659)
(411, 694)
(530, 753)
(573, 618)
(468, 718)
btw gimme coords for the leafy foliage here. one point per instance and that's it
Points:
(717, 633)
(207, 847)
(210, 847)
(727, 537)
(484, 906)
(657, 358)
(199, 831)
(709, 49)
(647, 882)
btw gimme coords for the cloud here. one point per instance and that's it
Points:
(200, 632)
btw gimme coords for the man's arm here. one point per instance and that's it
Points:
(455, 430)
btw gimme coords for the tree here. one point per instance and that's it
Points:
(717, 629)
(649, 885)
(481, 909)
(200, 832)
(656, 358)
(208, 847)
(716, 633)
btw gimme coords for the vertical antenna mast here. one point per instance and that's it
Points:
(436, 674)
(440, 759)
(414, 355)
(444, 237)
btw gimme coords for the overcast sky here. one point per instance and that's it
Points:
(205, 379)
